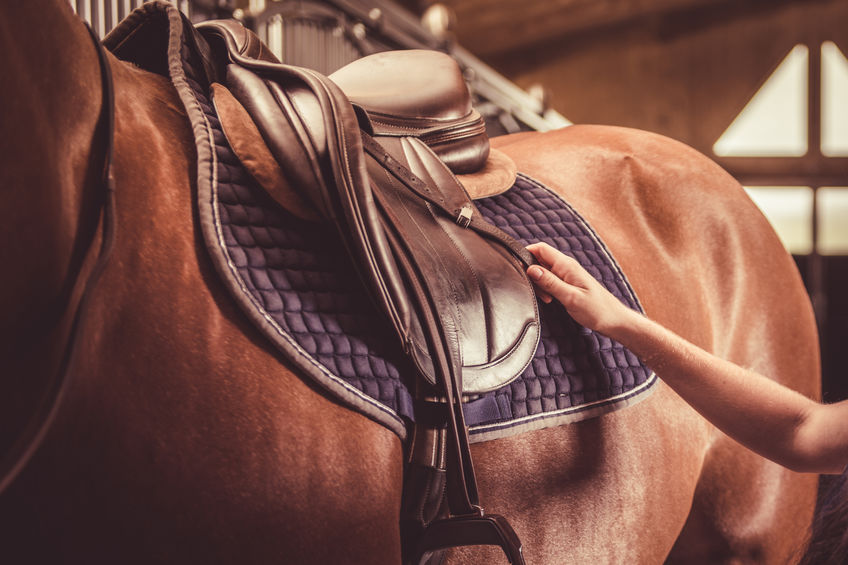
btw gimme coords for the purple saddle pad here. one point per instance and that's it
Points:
(296, 282)
(293, 279)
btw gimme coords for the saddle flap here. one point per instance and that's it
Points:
(246, 142)
(479, 289)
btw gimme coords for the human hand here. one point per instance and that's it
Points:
(562, 278)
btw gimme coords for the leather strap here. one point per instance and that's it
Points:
(42, 420)
(465, 214)
(466, 523)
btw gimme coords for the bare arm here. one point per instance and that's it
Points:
(768, 418)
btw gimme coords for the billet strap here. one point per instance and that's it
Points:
(21, 452)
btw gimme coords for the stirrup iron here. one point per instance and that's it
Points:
(481, 529)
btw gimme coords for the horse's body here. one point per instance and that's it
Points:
(184, 437)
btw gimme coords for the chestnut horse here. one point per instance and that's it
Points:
(184, 437)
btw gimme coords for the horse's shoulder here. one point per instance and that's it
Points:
(145, 92)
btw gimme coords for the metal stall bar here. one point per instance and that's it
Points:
(104, 15)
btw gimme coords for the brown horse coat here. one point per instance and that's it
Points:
(184, 437)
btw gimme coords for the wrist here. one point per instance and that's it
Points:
(623, 325)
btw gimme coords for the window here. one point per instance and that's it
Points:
(834, 139)
(833, 220)
(774, 122)
(790, 211)
(776, 138)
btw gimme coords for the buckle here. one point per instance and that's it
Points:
(463, 218)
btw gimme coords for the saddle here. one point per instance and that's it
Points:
(374, 151)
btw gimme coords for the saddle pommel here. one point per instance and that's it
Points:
(420, 94)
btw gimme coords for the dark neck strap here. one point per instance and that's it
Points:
(33, 435)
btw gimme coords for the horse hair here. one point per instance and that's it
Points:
(829, 539)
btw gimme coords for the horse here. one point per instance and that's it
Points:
(183, 436)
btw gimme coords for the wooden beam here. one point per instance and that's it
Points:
(810, 170)
(493, 27)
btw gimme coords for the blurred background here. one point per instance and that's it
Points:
(760, 86)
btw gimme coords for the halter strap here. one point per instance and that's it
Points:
(33, 435)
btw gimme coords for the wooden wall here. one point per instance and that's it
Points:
(685, 72)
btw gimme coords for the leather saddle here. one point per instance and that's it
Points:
(374, 150)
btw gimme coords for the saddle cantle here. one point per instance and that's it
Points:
(421, 94)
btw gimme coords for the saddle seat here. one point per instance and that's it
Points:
(421, 94)
(411, 93)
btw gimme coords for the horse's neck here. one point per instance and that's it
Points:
(49, 107)
(52, 75)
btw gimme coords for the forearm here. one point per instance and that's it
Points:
(763, 415)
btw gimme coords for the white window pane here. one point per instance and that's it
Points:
(833, 221)
(774, 122)
(275, 36)
(834, 135)
(790, 211)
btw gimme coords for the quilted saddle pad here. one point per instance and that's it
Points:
(293, 279)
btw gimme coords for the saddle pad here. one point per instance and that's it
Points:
(294, 280)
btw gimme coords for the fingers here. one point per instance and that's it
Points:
(535, 273)
(554, 260)
(543, 252)
(563, 278)
(565, 267)
(585, 306)
(551, 286)
(546, 255)
(558, 275)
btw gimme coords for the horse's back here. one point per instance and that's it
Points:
(705, 263)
